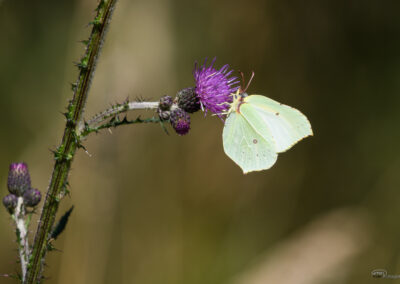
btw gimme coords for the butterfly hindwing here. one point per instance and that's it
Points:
(245, 146)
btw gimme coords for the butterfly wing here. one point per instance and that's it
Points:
(247, 148)
(269, 118)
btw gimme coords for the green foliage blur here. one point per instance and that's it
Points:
(152, 208)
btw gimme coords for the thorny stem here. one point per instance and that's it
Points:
(118, 109)
(22, 236)
(70, 141)
(116, 121)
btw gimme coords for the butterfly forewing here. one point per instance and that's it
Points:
(269, 118)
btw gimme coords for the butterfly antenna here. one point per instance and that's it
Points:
(248, 83)
(242, 85)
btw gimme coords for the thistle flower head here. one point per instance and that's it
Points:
(10, 202)
(214, 87)
(188, 100)
(165, 103)
(180, 121)
(19, 179)
(164, 107)
(32, 197)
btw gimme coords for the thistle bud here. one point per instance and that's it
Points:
(10, 202)
(165, 103)
(32, 197)
(188, 100)
(164, 114)
(19, 179)
(180, 121)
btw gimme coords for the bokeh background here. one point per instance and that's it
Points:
(152, 208)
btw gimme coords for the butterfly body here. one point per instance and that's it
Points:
(257, 128)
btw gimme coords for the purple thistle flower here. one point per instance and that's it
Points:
(180, 121)
(214, 87)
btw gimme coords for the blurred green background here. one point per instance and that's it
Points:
(152, 208)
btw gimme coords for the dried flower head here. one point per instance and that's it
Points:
(19, 179)
(214, 87)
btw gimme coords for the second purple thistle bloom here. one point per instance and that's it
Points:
(214, 87)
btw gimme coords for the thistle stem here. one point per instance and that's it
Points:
(70, 141)
(22, 236)
(115, 122)
(118, 109)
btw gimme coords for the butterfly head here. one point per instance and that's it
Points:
(237, 101)
(239, 95)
